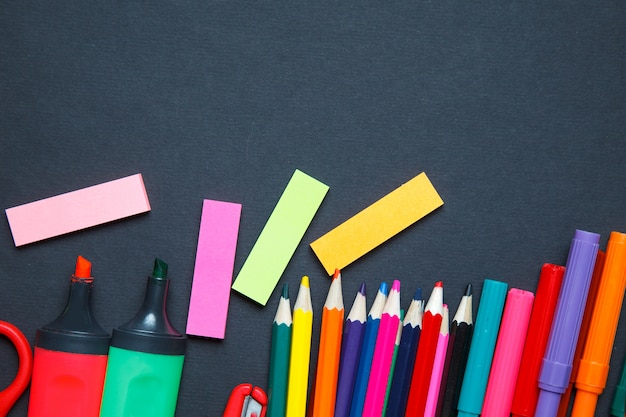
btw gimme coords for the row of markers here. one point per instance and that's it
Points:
(521, 358)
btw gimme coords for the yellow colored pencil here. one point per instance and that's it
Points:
(329, 351)
(300, 352)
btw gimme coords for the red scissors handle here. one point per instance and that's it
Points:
(9, 396)
(246, 400)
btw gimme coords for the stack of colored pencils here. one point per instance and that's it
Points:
(517, 359)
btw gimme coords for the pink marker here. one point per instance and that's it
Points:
(440, 359)
(213, 271)
(383, 354)
(508, 354)
(77, 210)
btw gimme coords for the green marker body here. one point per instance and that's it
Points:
(145, 358)
(141, 384)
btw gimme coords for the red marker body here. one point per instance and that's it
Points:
(70, 357)
(527, 388)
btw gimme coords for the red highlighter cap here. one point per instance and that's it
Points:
(526, 389)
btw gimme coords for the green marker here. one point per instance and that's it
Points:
(618, 407)
(145, 358)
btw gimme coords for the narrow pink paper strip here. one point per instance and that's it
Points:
(213, 271)
(77, 210)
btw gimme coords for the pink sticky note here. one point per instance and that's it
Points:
(213, 272)
(77, 210)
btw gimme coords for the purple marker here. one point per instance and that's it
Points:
(557, 362)
(353, 333)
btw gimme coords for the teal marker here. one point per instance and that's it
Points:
(145, 358)
(618, 406)
(481, 350)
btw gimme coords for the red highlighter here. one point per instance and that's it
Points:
(70, 356)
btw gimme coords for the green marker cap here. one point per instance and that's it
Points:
(150, 329)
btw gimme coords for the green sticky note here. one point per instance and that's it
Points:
(280, 237)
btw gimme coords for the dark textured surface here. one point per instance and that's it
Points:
(515, 111)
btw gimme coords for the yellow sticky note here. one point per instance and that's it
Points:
(377, 223)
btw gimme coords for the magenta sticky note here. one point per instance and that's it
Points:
(77, 210)
(213, 271)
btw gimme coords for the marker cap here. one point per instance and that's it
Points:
(76, 329)
(150, 329)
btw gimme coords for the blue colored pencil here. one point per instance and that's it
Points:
(401, 382)
(353, 333)
(367, 352)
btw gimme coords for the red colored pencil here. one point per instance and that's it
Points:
(425, 356)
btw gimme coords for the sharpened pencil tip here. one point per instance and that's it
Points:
(468, 290)
(439, 284)
(396, 285)
(337, 273)
(285, 293)
(418, 294)
(305, 281)
(383, 288)
(362, 289)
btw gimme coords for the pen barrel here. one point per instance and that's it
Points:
(66, 384)
(557, 362)
(594, 365)
(140, 383)
(482, 348)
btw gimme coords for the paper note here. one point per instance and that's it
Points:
(77, 210)
(280, 237)
(213, 271)
(377, 223)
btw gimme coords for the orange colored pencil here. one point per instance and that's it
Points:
(329, 351)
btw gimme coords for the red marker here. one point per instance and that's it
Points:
(527, 389)
(425, 357)
(70, 356)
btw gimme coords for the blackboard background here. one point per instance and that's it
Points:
(515, 111)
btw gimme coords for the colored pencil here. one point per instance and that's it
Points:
(565, 403)
(547, 294)
(594, 365)
(393, 362)
(426, 350)
(367, 352)
(440, 359)
(401, 379)
(329, 350)
(479, 358)
(456, 356)
(508, 354)
(354, 330)
(300, 352)
(279, 358)
(557, 361)
(383, 354)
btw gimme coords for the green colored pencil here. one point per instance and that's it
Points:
(279, 358)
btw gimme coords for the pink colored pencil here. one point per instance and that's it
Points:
(383, 354)
(440, 359)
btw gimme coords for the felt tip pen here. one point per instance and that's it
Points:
(145, 358)
(481, 351)
(558, 358)
(70, 356)
(594, 365)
